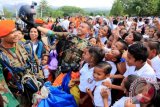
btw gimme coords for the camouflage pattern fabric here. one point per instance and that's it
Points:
(72, 52)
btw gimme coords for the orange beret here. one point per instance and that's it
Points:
(39, 21)
(6, 27)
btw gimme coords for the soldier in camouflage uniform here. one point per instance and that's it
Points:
(74, 45)
(17, 59)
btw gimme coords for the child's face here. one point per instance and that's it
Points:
(151, 32)
(20, 35)
(44, 60)
(100, 32)
(72, 25)
(130, 59)
(109, 43)
(93, 41)
(117, 46)
(147, 30)
(99, 74)
(129, 38)
(111, 55)
(87, 56)
(105, 30)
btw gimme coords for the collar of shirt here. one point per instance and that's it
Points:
(156, 58)
(100, 82)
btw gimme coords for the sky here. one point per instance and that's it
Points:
(78, 3)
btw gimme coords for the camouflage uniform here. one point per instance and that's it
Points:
(18, 60)
(72, 50)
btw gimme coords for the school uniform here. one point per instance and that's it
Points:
(130, 70)
(98, 100)
(86, 81)
(155, 62)
(146, 72)
(86, 78)
(45, 70)
(114, 68)
(103, 39)
(121, 102)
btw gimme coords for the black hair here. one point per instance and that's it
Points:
(138, 51)
(130, 80)
(105, 66)
(58, 29)
(124, 36)
(135, 20)
(92, 38)
(97, 53)
(146, 21)
(115, 22)
(155, 100)
(109, 32)
(140, 19)
(158, 33)
(70, 24)
(39, 33)
(121, 24)
(154, 45)
(125, 46)
(47, 55)
(137, 36)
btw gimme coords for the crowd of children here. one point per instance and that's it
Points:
(117, 52)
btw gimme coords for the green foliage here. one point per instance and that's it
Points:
(71, 10)
(136, 7)
(117, 8)
(98, 12)
(7, 13)
(57, 13)
(43, 8)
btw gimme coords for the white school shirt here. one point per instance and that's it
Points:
(130, 70)
(103, 39)
(98, 100)
(155, 62)
(45, 71)
(146, 72)
(121, 102)
(86, 78)
(65, 24)
(114, 68)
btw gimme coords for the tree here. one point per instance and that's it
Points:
(70, 10)
(117, 8)
(57, 13)
(43, 8)
(136, 7)
(7, 13)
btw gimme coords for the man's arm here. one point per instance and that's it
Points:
(45, 31)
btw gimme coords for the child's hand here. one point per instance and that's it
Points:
(128, 103)
(104, 93)
(107, 84)
(47, 48)
(88, 91)
(71, 83)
